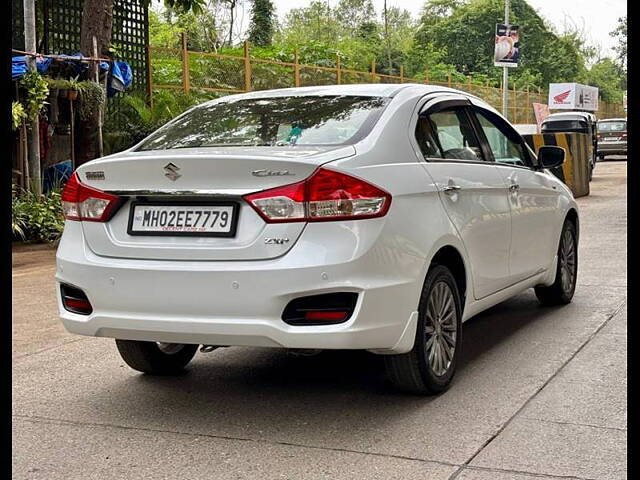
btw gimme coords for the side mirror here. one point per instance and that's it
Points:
(550, 157)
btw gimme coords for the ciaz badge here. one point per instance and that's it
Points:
(276, 241)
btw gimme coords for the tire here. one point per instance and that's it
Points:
(417, 371)
(562, 290)
(156, 358)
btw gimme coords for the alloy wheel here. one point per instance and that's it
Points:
(567, 261)
(441, 328)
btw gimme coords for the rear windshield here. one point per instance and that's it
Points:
(302, 120)
(612, 126)
(564, 125)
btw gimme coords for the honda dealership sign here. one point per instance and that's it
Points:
(573, 96)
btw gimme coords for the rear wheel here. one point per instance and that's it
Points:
(562, 290)
(156, 358)
(429, 367)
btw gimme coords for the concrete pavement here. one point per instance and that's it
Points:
(540, 392)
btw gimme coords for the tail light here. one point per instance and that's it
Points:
(325, 195)
(82, 202)
(624, 135)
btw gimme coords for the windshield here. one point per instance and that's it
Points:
(279, 121)
(612, 127)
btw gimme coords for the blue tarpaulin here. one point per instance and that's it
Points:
(121, 78)
(19, 66)
(57, 174)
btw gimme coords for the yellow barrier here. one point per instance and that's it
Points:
(575, 170)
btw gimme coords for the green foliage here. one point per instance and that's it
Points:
(196, 6)
(92, 96)
(58, 83)
(464, 32)
(140, 119)
(37, 92)
(621, 34)
(36, 218)
(17, 114)
(73, 84)
(262, 23)
(608, 76)
(452, 38)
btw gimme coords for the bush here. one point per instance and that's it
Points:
(36, 218)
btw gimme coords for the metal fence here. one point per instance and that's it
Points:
(219, 74)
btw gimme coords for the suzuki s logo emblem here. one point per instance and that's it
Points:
(171, 171)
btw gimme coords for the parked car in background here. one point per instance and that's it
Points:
(612, 137)
(575, 122)
(372, 217)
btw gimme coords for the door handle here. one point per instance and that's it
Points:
(451, 189)
(514, 187)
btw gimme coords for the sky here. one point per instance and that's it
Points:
(598, 17)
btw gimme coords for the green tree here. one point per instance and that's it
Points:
(609, 77)
(464, 31)
(353, 14)
(621, 34)
(262, 23)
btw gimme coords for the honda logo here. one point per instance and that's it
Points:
(561, 97)
(171, 171)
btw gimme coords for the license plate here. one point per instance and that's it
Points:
(611, 139)
(217, 219)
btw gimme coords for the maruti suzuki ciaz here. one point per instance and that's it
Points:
(374, 217)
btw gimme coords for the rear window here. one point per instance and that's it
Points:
(612, 126)
(564, 125)
(280, 121)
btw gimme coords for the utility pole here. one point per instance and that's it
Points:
(388, 41)
(33, 132)
(505, 71)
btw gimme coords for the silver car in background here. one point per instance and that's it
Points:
(612, 137)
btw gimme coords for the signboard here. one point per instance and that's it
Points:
(507, 48)
(573, 96)
(541, 111)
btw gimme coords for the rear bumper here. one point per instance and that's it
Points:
(612, 148)
(241, 303)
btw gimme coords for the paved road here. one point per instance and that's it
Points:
(540, 392)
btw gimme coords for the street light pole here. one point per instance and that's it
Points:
(505, 73)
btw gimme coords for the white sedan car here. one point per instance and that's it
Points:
(374, 217)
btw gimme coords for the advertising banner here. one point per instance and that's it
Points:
(541, 111)
(507, 48)
(573, 96)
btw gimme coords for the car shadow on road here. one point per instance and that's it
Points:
(234, 391)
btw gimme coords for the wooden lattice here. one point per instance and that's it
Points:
(62, 22)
